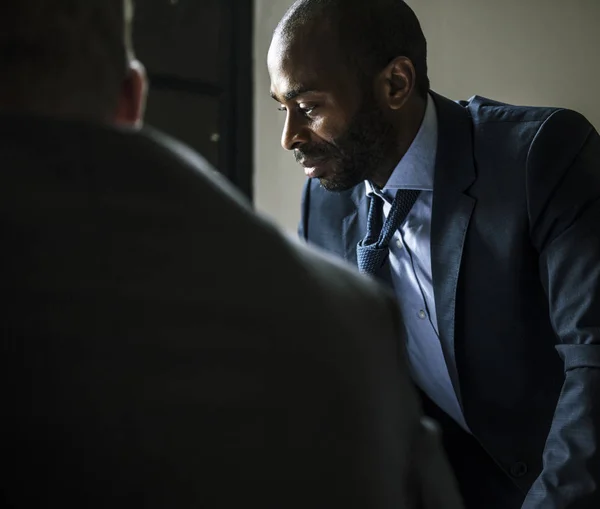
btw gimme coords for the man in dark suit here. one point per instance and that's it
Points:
(485, 220)
(163, 347)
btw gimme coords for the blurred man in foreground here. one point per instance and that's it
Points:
(146, 362)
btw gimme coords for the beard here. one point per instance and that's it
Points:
(357, 155)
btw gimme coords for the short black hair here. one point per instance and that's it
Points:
(64, 56)
(371, 32)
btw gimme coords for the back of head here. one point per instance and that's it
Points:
(64, 57)
(372, 32)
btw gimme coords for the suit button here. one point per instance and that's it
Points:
(519, 469)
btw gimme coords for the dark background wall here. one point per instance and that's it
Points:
(198, 54)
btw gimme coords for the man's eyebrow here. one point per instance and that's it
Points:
(292, 94)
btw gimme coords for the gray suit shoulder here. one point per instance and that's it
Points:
(341, 293)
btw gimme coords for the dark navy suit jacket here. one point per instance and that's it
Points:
(515, 254)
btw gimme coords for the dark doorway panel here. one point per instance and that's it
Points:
(198, 54)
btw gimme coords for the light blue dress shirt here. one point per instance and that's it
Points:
(410, 263)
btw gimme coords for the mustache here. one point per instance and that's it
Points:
(315, 153)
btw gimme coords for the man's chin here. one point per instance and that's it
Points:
(335, 177)
(339, 185)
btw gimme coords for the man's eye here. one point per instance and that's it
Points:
(307, 110)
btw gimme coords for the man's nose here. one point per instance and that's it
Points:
(295, 133)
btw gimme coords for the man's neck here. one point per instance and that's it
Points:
(409, 125)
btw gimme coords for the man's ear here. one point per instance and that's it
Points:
(132, 100)
(397, 82)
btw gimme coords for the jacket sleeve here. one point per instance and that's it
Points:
(563, 189)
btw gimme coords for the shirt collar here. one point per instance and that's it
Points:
(416, 169)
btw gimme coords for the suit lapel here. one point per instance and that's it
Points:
(452, 209)
(336, 220)
(354, 224)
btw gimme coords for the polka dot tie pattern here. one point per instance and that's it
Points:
(371, 252)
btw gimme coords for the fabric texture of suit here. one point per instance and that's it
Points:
(515, 248)
(145, 363)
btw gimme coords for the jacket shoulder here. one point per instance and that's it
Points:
(484, 110)
(525, 133)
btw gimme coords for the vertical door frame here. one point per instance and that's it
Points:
(236, 122)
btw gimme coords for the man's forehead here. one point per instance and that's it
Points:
(286, 90)
(287, 86)
(296, 74)
(305, 57)
(304, 64)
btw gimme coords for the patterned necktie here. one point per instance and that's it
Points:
(372, 251)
